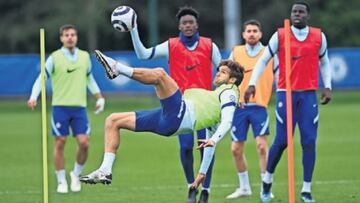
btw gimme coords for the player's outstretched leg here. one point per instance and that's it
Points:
(165, 85)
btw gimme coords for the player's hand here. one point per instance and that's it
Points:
(200, 178)
(325, 96)
(31, 104)
(249, 92)
(205, 143)
(100, 104)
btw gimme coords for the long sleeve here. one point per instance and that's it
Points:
(36, 89)
(161, 50)
(325, 69)
(215, 55)
(260, 65)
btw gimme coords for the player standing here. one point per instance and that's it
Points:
(254, 112)
(190, 57)
(308, 48)
(70, 71)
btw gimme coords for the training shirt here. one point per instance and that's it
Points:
(247, 56)
(273, 47)
(68, 60)
(162, 50)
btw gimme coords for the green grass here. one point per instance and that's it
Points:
(148, 169)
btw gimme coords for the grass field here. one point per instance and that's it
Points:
(148, 169)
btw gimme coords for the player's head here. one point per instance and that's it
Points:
(229, 72)
(252, 32)
(188, 17)
(300, 14)
(68, 36)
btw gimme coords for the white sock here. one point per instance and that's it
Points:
(77, 169)
(306, 187)
(124, 70)
(60, 175)
(244, 180)
(262, 175)
(107, 163)
(207, 189)
(268, 178)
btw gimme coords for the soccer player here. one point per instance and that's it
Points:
(70, 71)
(253, 113)
(190, 58)
(308, 47)
(196, 109)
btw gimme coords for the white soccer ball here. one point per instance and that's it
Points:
(123, 18)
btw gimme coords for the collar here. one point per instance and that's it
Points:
(189, 42)
(300, 32)
(253, 50)
(68, 52)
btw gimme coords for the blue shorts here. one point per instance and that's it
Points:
(165, 120)
(256, 116)
(305, 115)
(64, 117)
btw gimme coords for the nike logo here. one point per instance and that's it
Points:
(71, 70)
(189, 68)
(246, 71)
(294, 58)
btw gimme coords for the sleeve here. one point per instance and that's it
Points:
(91, 84)
(325, 69)
(260, 65)
(36, 89)
(215, 55)
(231, 57)
(161, 50)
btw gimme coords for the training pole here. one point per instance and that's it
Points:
(289, 112)
(43, 116)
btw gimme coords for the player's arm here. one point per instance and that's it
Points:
(161, 50)
(215, 55)
(325, 71)
(95, 90)
(260, 65)
(36, 89)
(228, 100)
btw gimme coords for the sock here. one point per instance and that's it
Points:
(268, 178)
(207, 189)
(77, 169)
(244, 180)
(262, 175)
(60, 175)
(306, 187)
(107, 163)
(124, 70)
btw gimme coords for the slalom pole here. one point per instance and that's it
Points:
(289, 113)
(43, 117)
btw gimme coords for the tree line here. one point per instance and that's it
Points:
(21, 21)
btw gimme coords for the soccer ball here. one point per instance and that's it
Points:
(123, 18)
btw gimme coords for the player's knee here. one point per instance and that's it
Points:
(110, 121)
(237, 149)
(60, 144)
(308, 146)
(261, 148)
(160, 73)
(84, 145)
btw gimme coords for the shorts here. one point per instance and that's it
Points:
(64, 117)
(256, 116)
(164, 121)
